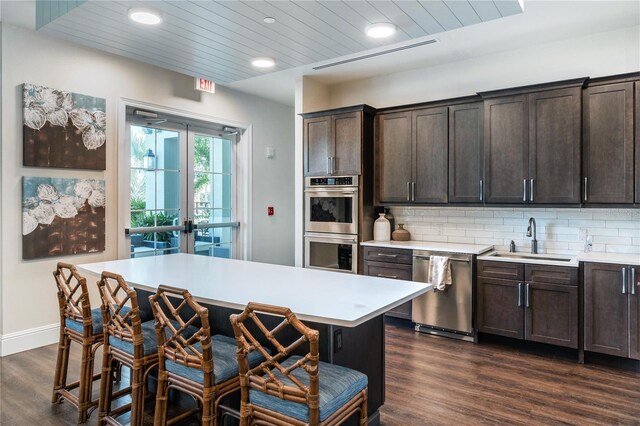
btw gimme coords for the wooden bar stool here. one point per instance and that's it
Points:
(80, 324)
(191, 361)
(128, 341)
(296, 390)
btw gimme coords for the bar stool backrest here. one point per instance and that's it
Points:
(120, 311)
(73, 297)
(267, 376)
(176, 340)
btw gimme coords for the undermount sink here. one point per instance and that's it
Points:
(545, 259)
(554, 258)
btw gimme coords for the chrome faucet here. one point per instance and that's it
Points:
(534, 242)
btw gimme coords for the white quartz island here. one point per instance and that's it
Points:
(320, 296)
(346, 309)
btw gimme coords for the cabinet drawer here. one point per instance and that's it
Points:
(388, 270)
(502, 270)
(551, 274)
(388, 255)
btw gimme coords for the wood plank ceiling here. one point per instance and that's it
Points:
(218, 39)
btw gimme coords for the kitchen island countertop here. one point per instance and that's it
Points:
(431, 245)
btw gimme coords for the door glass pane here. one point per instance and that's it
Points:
(330, 255)
(331, 209)
(212, 195)
(154, 189)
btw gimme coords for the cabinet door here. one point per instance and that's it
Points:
(608, 143)
(634, 315)
(551, 314)
(393, 271)
(500, 307)
(554, 146)
(606, 322)
(506, 145)
(317, 146)
(637, 108)
(393, 157)
(430, 155)
(347, 136)
(465, 153)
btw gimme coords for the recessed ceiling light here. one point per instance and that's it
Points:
(381, 30)
(269, 20)
(143, 15)
(263, 62)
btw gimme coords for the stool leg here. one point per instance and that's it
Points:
(162, 395)
(86, 380)
(244, 414)
(364, 418)
(62, 361)
(106, 386)
(209, 414)
(137, 396)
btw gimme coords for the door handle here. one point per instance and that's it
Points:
(633, 281)
(408, 191)
(388, 276)
(328, 165)
(585, 188)
(519, 294)
(413, 191)
(524, 190)
(392, 256)
(481, 190)
(531, 190)
(526, 296)
(624, 280)
(333, 165)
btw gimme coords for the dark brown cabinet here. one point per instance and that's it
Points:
(531, 302)
(333, 143)
(532, 147)
(390, 263)
(412, 156)
(608, 143)
(637, 108)
(611, 309)
(466, 171)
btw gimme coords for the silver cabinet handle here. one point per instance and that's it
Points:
(408, 191)
(481, 190)
(624, 280)
(531, 190)
(413, 191)
(392, 256)
(328, 165)
(632, 283)
(524, 190)
(519, 294)
(526, 296)
(585, 187)
(333, 165)
(387, 276)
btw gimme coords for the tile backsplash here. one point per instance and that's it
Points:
(560, 231)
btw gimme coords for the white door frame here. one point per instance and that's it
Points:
(243, 172)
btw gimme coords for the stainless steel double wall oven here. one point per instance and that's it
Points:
(331, 223)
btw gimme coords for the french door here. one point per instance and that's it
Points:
(182, 189)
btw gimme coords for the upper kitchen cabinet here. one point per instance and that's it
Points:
(532, 144)
(637, 106)
(334, 140)
(608, 142)
(411, 156)
(466, 172)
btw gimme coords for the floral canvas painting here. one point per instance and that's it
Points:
(63, 129)
(62, 216)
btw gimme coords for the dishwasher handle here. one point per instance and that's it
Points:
(453, 259)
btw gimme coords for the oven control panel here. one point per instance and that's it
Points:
(333, 181)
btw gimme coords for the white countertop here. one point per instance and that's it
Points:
(320, 296)
(622, 259)
(433, 246)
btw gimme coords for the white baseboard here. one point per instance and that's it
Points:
(29, 339)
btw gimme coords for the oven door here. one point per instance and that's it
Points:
(333, 210)
(331, 252)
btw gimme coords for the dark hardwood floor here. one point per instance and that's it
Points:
(430, 380)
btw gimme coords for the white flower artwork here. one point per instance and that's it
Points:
(65, 123)
(62, 216)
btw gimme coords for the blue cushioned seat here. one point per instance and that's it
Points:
(338, 385)
(149, 341)
(225, 361)
(96, 319)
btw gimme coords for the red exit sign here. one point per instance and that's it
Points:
(204, 85)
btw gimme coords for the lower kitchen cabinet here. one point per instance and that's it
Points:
(540, 304)
(394, 264)
(611, 323)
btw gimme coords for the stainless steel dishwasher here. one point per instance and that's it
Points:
(448, 312)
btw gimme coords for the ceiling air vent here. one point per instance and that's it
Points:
(373, 55)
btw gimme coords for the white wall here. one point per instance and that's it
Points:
(28, 294)
(596, 55)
